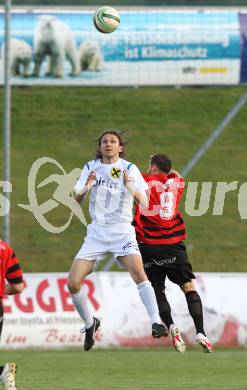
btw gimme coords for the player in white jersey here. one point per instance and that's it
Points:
(115, 184)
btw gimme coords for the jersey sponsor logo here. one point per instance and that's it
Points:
(105, 183)
(115, 173)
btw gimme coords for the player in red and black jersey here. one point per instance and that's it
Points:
(160, 231)
(10, 271)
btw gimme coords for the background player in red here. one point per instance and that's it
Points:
(11, 271)
(160, 233)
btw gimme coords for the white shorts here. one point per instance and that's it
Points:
(118, 240)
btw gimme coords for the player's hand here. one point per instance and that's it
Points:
(172, 171)
(126, 178)
(90, 180)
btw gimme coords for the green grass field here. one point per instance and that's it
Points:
(63, 123)
(129, 369)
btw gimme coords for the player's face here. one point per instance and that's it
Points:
(110, 146)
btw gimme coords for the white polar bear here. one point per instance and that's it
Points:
(55, 39)
(20, 57)
(90, 56)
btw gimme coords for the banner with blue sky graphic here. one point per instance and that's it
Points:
(243, 31)
(151, 47)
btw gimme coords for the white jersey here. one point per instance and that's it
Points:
(110, 202)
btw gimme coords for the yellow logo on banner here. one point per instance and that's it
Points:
(219, 69)
(115, 173)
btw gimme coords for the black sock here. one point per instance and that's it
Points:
(195, 309)
(164, 309)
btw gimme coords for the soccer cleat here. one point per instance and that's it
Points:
(90, 333)
(177, 340)
(7, 377)
(204, 342)
(159, 330)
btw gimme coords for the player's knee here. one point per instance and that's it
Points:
(192, 296)
(187, 287)
(138, 275)
(17, 288)
(73, 287)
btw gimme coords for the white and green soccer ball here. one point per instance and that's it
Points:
(106, 19)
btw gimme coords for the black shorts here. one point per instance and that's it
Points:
(166, 260)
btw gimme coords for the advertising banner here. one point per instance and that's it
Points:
(151, 47)
(243, 30)
(43, 315)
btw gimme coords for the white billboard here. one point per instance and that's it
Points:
(43, 315)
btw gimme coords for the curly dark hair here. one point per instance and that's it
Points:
(122, 143)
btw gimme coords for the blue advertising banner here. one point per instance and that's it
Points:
(151, 47)
(243, 31)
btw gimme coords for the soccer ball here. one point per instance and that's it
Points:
(106, 19)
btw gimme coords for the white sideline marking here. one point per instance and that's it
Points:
(215, 134)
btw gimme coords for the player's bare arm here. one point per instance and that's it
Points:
(139, 198)
(80, 196)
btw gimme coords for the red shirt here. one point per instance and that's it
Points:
(162, 223)
(9, 267)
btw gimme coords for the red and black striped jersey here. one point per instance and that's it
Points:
(161, 223)
(10, 268)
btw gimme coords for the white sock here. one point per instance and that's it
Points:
(80, 301)
(148, 298)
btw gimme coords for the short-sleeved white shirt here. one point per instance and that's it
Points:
(110, 202)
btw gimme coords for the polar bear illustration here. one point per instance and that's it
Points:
(55, 39)
(90, 56)
(20, 57)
